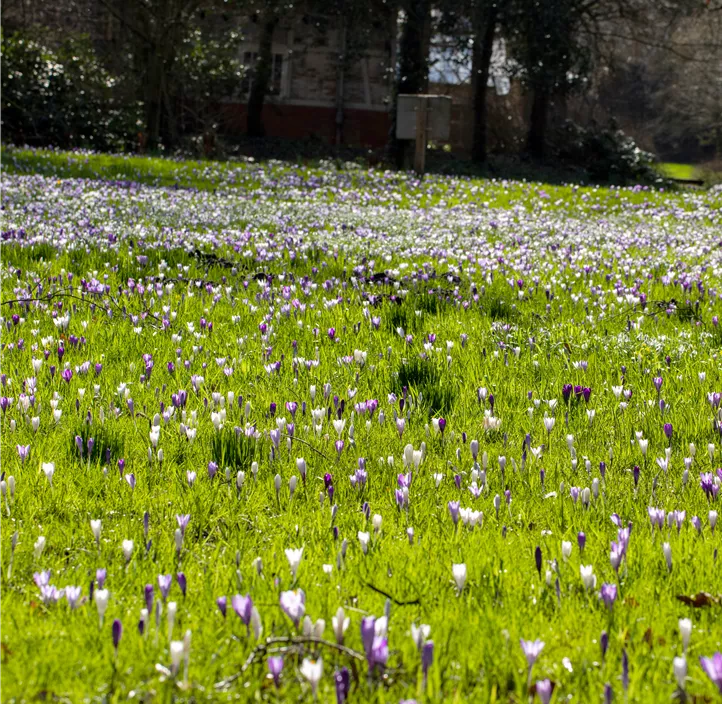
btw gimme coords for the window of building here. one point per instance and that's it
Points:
(276, 81)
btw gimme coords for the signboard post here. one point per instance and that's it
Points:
(422, 109)
(421, 118)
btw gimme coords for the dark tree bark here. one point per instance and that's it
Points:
(536, 138)
(261, 76)
(413, 68)
(484, 31)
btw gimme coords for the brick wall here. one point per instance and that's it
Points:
(364, 128)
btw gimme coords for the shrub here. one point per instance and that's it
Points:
(62, 96)
(608, 155)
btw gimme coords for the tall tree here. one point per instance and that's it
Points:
(552, 57)
(267, 20)
(484, 23)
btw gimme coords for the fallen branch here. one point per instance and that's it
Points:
(262, 648)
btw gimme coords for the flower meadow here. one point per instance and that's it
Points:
(292, 433)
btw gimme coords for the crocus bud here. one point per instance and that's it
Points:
(101, 602)
(679, 665)
(667, 550)
(685, 632)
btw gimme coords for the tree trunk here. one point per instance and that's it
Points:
(261, 76)
(340, 76)
(153, 99)
(484, 31)
(413, 70)
(538, 123)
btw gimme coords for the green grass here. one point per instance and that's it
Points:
(448, 254)
(680, 171)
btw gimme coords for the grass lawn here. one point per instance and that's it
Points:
(278, 432)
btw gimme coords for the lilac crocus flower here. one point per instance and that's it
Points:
(212, 469)
(544, 689)
(50, 594)
(712, 667)
(72, 594)
(42, 579)
(293, 604)
(164, 582)
(379, 652)
(100, 575)
(275, 668)
(182, 519)
(532, 649)
(243, 606)
(23, 452)
(608, 594)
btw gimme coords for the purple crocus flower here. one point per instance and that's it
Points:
(121, 466)
(706, 482)
(182, 582)
(212, 469)
(608, 693)
(427, 657)
(581, 541)
(117, 634)
(243, 606)
(713, 669)
(130, 478)
(604, 643)
(668, 430)
(222, 603)
(148, 591)
(342, 680)
(454, 511)
(368, 633)
(567, 392)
